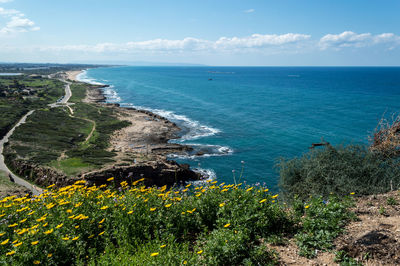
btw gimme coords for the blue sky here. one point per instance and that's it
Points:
(218, 32)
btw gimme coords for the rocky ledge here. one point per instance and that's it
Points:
(155, 173)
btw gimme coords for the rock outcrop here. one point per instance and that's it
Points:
(158, 173)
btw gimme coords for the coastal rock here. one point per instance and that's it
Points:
(158, 173)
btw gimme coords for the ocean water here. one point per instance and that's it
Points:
(248, 117)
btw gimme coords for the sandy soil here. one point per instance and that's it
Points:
(71, 75)
(372, 239)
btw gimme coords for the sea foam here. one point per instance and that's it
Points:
(191, 129)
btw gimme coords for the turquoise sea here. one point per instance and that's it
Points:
(251, 116)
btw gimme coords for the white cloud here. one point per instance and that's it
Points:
(17, 22)
(260, 41)
(5, 1)
(351, 39)
(251, 10)
(189, 44)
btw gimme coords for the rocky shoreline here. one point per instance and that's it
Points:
(142, 147)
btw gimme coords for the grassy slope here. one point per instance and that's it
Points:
(52, 137)
(12, 108)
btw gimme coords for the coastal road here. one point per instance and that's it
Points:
(66, 97)
(63, 102)
(68, 92)
(35, 190)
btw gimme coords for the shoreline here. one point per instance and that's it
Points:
(145, 142)
(147, 128)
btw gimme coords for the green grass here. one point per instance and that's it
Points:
(78, 92)
(49, 133)
(71, 166)
(13, 107)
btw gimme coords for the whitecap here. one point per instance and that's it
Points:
(83, 77)
(204, 150)
(111, 95)
(191, 129)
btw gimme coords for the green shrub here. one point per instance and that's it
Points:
(339, 170)
(324, 220)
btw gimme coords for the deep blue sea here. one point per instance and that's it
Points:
(257, 114)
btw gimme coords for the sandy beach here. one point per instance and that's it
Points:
(72, 75)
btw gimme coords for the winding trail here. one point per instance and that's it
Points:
(63, 102)
(35, 190)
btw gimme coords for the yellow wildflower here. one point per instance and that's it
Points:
(104, 208)
(168, 205)
(191, 211)
(35, 226)
(110, 179)
(5, 242)
(307, 207)
(222, 204)
(59, 226)
(275, 196)
(51, 186)
(36, 262)
(49, 255)
(198, 195)
(48, 231)
(163, 246)
(41, 219)
(45, 224)
(101, 233)
(13, 225)
(152, 209)
(2, 234)
(22, 221)
(10, 253)
(91, 236)
(102, 221)
(154, 254)
(263, 200)
(250, 188)
(352, 193)
(75, 238)
(65, 238)
(227, 225)
(34, 243)
(18, 244)
(200, 251)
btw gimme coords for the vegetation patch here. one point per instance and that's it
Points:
(339, 170)
(209, 224)
(71, 166)
(19, 94)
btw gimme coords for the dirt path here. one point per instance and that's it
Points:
(93, 128)
(35, 190)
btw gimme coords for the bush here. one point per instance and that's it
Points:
(323, 221)
(339, 170)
